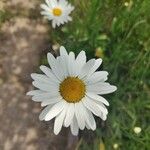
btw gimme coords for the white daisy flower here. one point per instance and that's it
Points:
(115, 146)
(70, 89)
(137, 130)
(58, 11)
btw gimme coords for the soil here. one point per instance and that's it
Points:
(22, 42)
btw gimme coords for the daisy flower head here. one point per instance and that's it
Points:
(137, 130)
(70, 91)
(57, 11)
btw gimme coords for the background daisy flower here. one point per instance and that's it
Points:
(71, 91)
(137, 130)
(57, 11)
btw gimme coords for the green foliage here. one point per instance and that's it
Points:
(4, 15)
(122, 30)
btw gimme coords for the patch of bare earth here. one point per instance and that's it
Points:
(22, 41)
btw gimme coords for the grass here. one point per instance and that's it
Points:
(4, 16)
(120, 31)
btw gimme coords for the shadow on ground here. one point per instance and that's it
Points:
(22, 41)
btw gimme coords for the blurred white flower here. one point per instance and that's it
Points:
(137, 130)
(115, 146)
(58, 11)
(70, 89)
(126, 4)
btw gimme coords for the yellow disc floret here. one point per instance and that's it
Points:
(72, 89)
(57, 11)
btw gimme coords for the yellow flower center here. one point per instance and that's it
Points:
(72, 89)
(57, 11)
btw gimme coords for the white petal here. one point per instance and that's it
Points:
(80, 115)
(46, 87)
(81, 58)
(101, 88)
(100, 105)
(95, 108)
(49, 73)
(64, 65)
(63, 51)
(97, 98)
(51, 60)
(54, 24)
(49, 17)
(63, 3)
(35, 92)
(90, 120)
(59, 121)
(41, 78)
(80, 61)
(55, 66)
(53, 3)
(69, 115)
(44, 112)
(86, 68)
(69, 18)
(48, 2)
(74, 127)
(87, 126)
(45, 7)
(45, 96)
(55, 110)
(63, 61)
(88, 117)
(47, 14)
(99, 76)
(71, 64)
(95, 67)
(58, 23)
(51, 101)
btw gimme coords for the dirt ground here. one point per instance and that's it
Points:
(22, 41)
